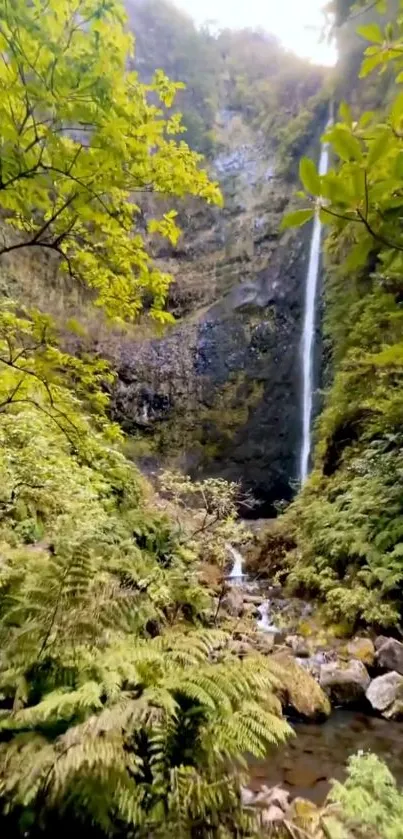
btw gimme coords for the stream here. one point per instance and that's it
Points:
(318, 753)
(307, 763)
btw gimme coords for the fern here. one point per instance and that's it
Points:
(102, 723)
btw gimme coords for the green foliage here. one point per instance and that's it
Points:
(299, 132)
(79, 138)
(368, 805)
(35, 371)
(120, 708)
(209, 513)
(166, 35)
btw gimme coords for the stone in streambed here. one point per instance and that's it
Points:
(344, 682)
(307, 816)
(385, 693)
(250, 611)
(255, 599)
(232, 602)
(363, 649)
(379, 641)
(298, 645)
(299, 690)
(390, 654)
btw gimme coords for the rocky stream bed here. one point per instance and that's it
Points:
(341, 695)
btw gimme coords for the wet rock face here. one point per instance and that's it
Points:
(219, 394)
(300, 691)
(344, 682)
(389, 654)
(385, 694)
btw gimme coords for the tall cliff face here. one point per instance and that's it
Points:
(219, 393)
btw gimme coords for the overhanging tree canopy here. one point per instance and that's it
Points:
(80, 140)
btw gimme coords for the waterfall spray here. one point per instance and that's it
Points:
(308, 340)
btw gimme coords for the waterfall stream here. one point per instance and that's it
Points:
(236, 574)
(308, 340)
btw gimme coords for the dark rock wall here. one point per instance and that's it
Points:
(219, 393)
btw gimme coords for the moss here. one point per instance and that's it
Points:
(300, 690)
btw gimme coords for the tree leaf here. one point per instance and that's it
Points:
(335, 189)
(309, 176)
(345, 114)
(396, 111)
(398, 168)
(345, 144)
(371, 32)
(379, 147)
(297, 218)
(369, 64)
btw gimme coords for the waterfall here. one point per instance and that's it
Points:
(308, 340)
(264, 622)
(236, 573)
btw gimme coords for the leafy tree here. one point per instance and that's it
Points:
(79, 140)
(168, 36)
(208, 511)
(35, 371)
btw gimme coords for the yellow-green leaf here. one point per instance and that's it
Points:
(297, 218)
(371, 32)
(309, 176)
(345, 113)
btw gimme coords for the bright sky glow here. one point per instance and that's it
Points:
(297, 23)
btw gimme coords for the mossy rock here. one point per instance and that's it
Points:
(362, 649)
(299, 690)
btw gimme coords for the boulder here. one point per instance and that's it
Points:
(299, 690)
(313, 663)
(379, 641)
(307, 816)
(250, 611)
(298, 645)
(247, 796)
(390, 655)
(385, 693)
(363, 649)
(344, 682)
(232, 602)
(271, 815)
(254, 599)
(264, 642)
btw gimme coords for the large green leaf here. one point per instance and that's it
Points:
(345, 113)
(309, 176)
(297, 218)
(371, 32)
(369, 64)
(396, 111)
(345, 144)
(336, 190)
(379, 147)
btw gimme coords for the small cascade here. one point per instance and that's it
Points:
(264, 621)
(308, 340)
(236, 574)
